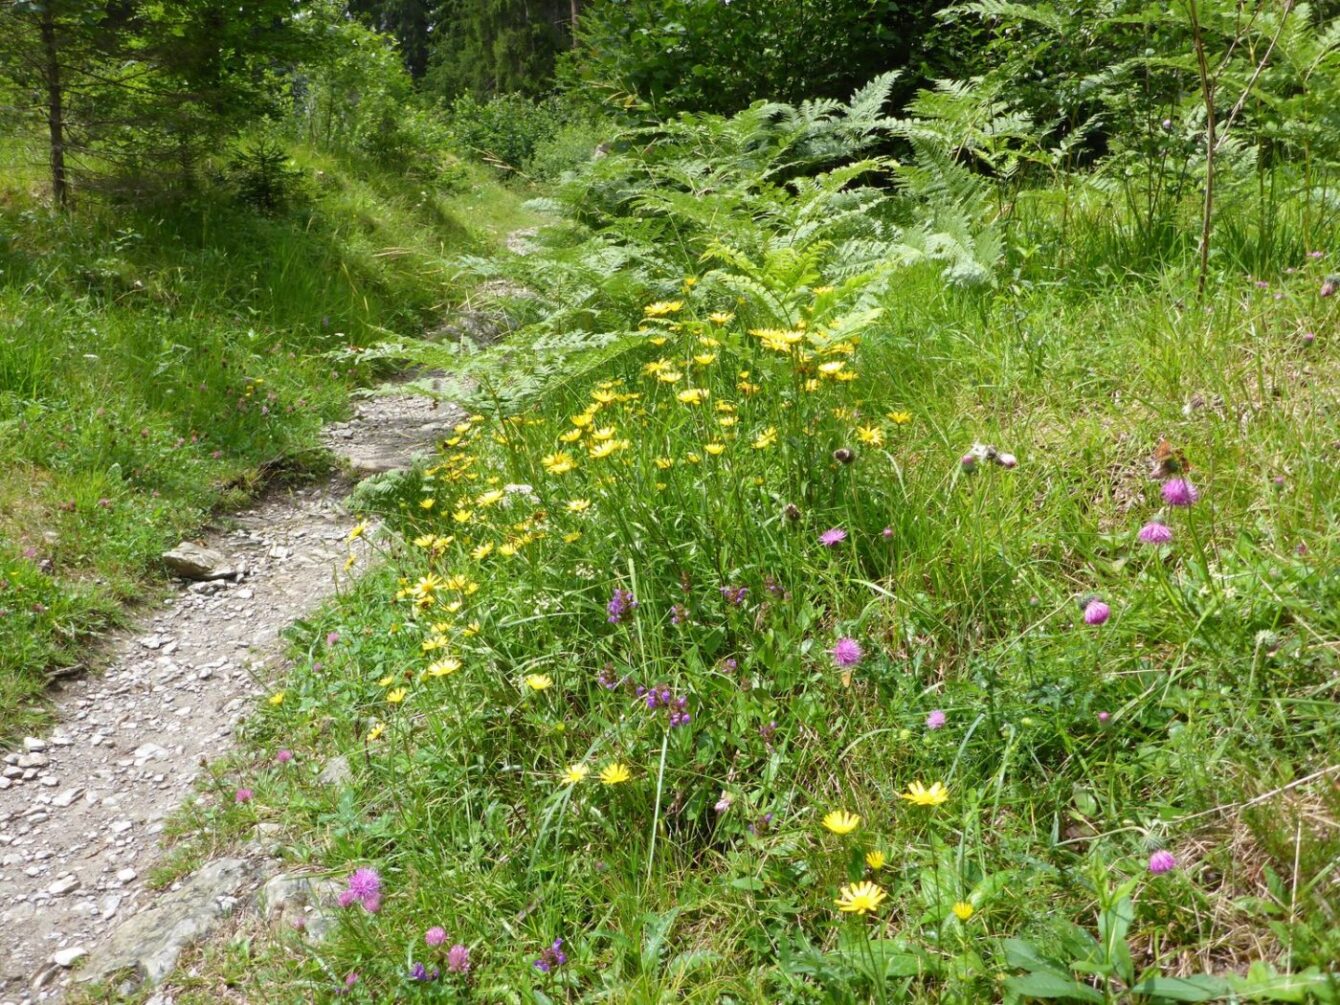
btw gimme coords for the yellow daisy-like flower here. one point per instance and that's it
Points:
(662, 308)
(572, 536)
(726, 421)
(359, 530)
(658, 340)
(396, 696)
(471, 629)
(846, 376)
(923, 796)
(860, 898)
(831, 367)
(604, 396)
(692, 395)
(963, 910)
(571, 436)
(578, 505)
(425, 540)
(819, 291)
(481, 552)
(841, 822)
(875, 860)
(575, 773)
(462, 516)
(491, 498)
(427, 503)
(376, 731)
(870, 435)
(715, 449)
(766, 438)
(721, 317)
(277, 698)
(899, 418)
(583, 420)
(559, 463)
(669, 376)
(386, 681)
(664, 463)
(443, 667)
(705, 358)
(608, 448)
(538, 681)
(615, 773)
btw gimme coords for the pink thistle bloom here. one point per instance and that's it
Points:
(347, 898)
(1096, 612)
(832, 537)
(1103, 717)
(332, 638)
(936, 719)
(1155, 532)
(887, 533)
(243, 796)
(284, 756)
(458, 959)
(1179, 492)
(1161, 862)
(846, 653)
(435, 936)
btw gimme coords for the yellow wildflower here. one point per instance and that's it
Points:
(396, 696)
(831, 367)
(559, 463)
(481, 552)
(766, 438)
(870, 435)
(277, 698)
(721, 317)
(615, 773)
(386, 681)
(603, 434)
(841, 822)
(923, 796)
(491, 498)
(578, 505)
(538, 681)
(583, 420)
(359, 530)
(715, 449)
(462, 515)
(875, 860)
(669, 376)
(572, 536)
(705, 358)
(427, 503)
(664, 463)
(860, 898)
(900, 418)
(376, 731)
(443, 667)
(663, 307)
(963, 910)
(575, 773)
(692, 395)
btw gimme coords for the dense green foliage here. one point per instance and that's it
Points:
(875, 448)
(892, 557)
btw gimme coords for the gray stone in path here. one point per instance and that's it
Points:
(149, 943)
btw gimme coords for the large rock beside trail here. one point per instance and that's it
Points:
(300, 902)
(191, 561)
(152, 940)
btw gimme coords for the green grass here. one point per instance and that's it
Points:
(1200, 719)
(157, 360)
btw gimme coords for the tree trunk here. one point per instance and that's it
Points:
(55, 115)
(572, 24)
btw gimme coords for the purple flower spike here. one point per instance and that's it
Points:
(1161, 862)
(936, 719)
(832, 537)
(1179, 492)
(621, 606)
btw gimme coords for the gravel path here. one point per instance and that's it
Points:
(82, 808)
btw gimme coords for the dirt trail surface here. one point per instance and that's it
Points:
(82, 808)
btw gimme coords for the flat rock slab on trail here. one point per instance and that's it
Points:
(389, 432)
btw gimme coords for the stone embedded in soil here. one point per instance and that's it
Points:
(300, 902)
(191, 561)
(68, 957)
(336, 772)
(150, 942)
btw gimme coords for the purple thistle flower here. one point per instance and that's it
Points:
(1155, 532)
(622, 604)
(243, 796)
(347, 898)
(365, 883)
(284, 756)
(435, 936)
(332, 638)
(458, 959)
(1096, 612)
(1103, 717)
(832, 537)
(887, 533)
(1161, 862)
(846, 653)
(936, 719)
(1179, 492)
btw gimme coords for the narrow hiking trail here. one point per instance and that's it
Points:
(81, 809)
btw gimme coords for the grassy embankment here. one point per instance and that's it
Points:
(157, 359)
(1122, 679)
